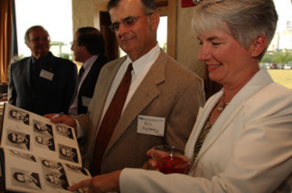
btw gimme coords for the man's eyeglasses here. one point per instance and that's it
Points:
(37, 39)
(127, 22)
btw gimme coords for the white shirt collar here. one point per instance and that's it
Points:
(144, 62)
(88, 64)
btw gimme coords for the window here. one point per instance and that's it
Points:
(281, 72)
(54, 15)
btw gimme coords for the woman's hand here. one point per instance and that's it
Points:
(100, 184)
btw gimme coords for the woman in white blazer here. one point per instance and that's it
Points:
(248, 148)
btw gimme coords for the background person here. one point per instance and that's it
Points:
(41, 83)
(247, 146)
(162, 91)
(88, 47)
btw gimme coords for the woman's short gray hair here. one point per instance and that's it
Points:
(245, 20)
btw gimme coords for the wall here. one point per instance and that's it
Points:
(187, 44)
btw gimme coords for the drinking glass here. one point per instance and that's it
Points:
(170, 159)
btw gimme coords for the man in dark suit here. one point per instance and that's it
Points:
(88, 47)
(41, 83)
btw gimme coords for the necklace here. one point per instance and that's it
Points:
(222, 106)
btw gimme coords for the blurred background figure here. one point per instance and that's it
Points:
(41, 83)
(88, 47)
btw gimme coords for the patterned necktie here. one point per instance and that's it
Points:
(110, 121)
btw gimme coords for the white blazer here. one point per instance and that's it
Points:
(248, 150)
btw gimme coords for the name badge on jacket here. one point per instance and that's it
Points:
(46, 75)
(151, 125)
(85, 101)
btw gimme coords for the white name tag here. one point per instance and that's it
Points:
(151, 125)
(47, 75)
(85, 101)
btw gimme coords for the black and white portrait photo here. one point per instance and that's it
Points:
(19, 140)
(27, 179)
(68, 153)
(23, 155)
(43, 128)
(44, 142)
(64, 131)
(18, 115)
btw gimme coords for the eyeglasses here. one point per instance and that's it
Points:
(127, 22)
(36, 39)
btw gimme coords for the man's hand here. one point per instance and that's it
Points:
(65, 119)
(100, 184)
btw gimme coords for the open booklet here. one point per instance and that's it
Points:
(38, 155)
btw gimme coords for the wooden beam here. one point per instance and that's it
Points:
(171, 28)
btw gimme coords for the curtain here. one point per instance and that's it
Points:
(5, 38)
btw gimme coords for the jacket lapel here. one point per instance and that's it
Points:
(219, 126)
(145, 93)
(27, 73)
(202, 116)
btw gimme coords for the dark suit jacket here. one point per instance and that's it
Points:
(167, 91)
(48, 96)
(88, 85)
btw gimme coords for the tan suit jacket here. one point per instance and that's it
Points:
(168, 90)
